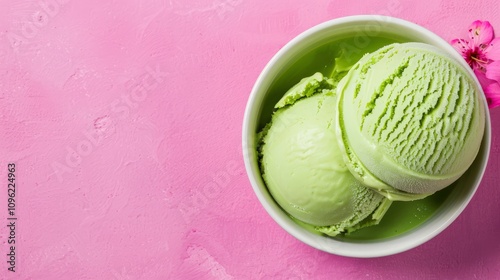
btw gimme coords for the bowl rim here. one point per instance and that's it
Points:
(378, 248)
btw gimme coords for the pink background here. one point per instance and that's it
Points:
(125, 175)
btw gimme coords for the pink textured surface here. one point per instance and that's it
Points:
(160, 191)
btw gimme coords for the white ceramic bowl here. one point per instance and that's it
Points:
(259, 109)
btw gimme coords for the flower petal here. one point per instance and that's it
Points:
(480, 33)
(492, 93)
(493, 50)
(493, 71)
(462, 47)
(481, 77)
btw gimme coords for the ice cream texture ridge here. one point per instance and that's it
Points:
(401, 123)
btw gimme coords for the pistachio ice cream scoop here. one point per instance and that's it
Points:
(409, 120)
(303, 166)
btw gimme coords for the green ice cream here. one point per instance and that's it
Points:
(303, 167)
(409, 120)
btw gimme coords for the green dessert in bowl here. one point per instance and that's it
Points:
(322, 176)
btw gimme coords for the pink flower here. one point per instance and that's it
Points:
(482, 52)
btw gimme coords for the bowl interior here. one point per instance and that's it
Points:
(406, 224)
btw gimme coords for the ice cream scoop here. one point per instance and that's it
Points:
(303, 167)
(409, 119)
